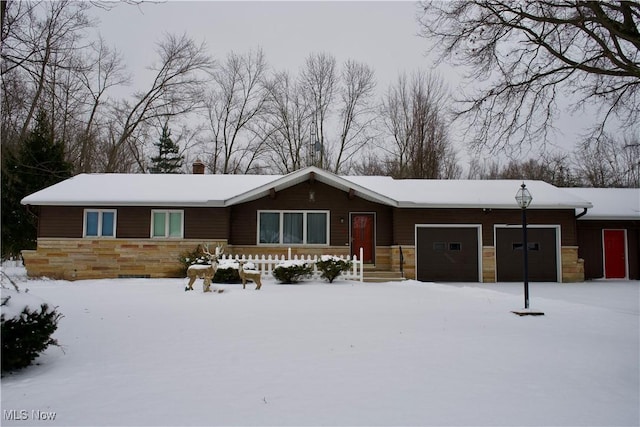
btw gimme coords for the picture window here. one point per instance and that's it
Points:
(293, 227)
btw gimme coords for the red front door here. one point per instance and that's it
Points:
(614, 254)
(362, 236)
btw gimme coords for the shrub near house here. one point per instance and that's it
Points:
(292, 271)
(332, 267)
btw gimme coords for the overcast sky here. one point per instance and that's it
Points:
(381, 34)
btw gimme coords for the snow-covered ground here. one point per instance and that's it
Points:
(144, 352)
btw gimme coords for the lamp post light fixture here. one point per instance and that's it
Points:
(524, 198)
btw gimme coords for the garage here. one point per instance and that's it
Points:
(542, 254)
(447, 253)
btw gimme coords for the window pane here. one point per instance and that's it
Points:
(92, 224)
(108, 223)
(269, 227)
(317, 228)
(292, 227)
(175, 224)
(159, 224)
(455, 246)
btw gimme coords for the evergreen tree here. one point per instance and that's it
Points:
(168, 159)
(37, 163)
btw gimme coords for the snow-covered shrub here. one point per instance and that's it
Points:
(292, 271)
(227, 272)
(332, 266)
(26, 325)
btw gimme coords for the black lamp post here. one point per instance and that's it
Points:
(523, 197)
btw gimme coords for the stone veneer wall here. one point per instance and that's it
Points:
(488, 264)
(75, 259)
(572, 265)
(409, 255)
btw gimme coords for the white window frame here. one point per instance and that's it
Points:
(304, 227)
(167, 213)
(99, 212)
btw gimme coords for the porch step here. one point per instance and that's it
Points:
(378, 276)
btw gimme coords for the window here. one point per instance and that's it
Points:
(269, 225)
(455, 246)
(317, 228)
(167, 224)
(99, 223)
(293, 227)
(438, 246)
(532, 246)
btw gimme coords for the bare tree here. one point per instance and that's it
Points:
(103, 70)
(319, 80)
(414, 115)
(235, 103)
(176, 89)
(286, 124)
(609, 162)
(552, 168)
(356, 112)
(530, 55)
(39, 41)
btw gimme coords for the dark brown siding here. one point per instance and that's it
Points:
(404, 221)
(60, 221)
(590, 246)
(244, 216)
(206, 223)
(133, 222)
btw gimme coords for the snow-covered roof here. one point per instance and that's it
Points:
(227, 190)
(146, 190)
(610, 203)
(448, 193)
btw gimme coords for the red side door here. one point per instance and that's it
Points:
(614, 254)
(362, 236)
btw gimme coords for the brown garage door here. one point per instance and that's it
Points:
(542, 254)
(447, 254)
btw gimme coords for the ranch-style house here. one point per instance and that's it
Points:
(136, 225)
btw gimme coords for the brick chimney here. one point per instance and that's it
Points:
(198, 167)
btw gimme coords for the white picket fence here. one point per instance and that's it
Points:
(266, 263)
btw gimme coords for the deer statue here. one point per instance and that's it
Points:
(206, 272)
(249, 275)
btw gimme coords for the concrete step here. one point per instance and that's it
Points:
(372, 276)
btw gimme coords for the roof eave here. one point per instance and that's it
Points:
(203, 203)
(303, 175)
(414, 205)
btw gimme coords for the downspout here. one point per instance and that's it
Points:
(583, 213)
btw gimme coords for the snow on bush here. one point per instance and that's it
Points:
(227, 272)
(292, 271)
(332, 266)
(26, 324)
